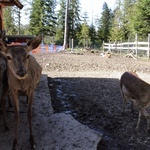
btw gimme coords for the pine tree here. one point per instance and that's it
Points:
(36, 17)
(73, 17)
(60, 23)
(42, 18)
(17, 18)
(9, 21)
(104, 24)
(73, 20)
(49, 18)
(128, 13)
(116, 32)
(85, 38)
(142, 18)
(93, 36)
(84, 35)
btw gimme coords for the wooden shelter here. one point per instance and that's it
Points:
(4, 3)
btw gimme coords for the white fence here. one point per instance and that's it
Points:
(136, 47)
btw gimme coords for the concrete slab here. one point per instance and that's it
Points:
(51, 131)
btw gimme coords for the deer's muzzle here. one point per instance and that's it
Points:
(21, 73)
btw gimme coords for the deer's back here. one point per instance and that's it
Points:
(135, 88)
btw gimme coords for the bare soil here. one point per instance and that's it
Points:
(87, 87)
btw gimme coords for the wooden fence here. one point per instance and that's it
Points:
(136, 48)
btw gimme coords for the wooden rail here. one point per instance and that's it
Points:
(136, 47)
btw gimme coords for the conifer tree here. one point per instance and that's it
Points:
(42, 18)
(141, 18)
(104, 23)
(9, 21)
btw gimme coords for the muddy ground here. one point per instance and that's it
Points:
(87, 87)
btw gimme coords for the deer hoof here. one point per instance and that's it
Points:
(32, 142)
(15, 145)
(137, 129)
(33, 146)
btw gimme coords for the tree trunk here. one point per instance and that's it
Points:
(66, 26)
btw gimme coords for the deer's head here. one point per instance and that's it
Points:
(18, 57)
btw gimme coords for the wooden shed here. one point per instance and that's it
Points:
(4, 3)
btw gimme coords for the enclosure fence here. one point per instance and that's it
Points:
(47, 48)
(42, 48)
(137, 48)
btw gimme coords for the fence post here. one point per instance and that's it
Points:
(115, 45)
(121, 47)
(109, 46)
(148, 52)
(72, 46)
(128, 46)
(136, 44)
(103, 46)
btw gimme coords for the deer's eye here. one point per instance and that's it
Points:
(9, 58)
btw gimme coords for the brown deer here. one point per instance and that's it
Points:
(23, 73)
(4, 85)
(138, 91)
(124, 98)
(3, 80)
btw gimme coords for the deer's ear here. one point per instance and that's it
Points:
(34, 43)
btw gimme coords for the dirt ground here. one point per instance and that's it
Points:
(87, 87)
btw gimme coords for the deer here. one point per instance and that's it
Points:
(23, 74)
(4, 87)
(138, 91)
(133, 72)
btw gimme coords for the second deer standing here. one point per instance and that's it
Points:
(138, 91)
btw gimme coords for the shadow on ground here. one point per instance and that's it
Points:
(97, 102)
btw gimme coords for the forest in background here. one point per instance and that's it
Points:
(128, 18)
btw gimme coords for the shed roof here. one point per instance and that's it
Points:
(11, 3)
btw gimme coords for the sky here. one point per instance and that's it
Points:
(92, 7)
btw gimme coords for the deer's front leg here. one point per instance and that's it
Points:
(3, 103)
(30, 97)
(139, 120)
(147, 116)
(124, 103)
(17, 117)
